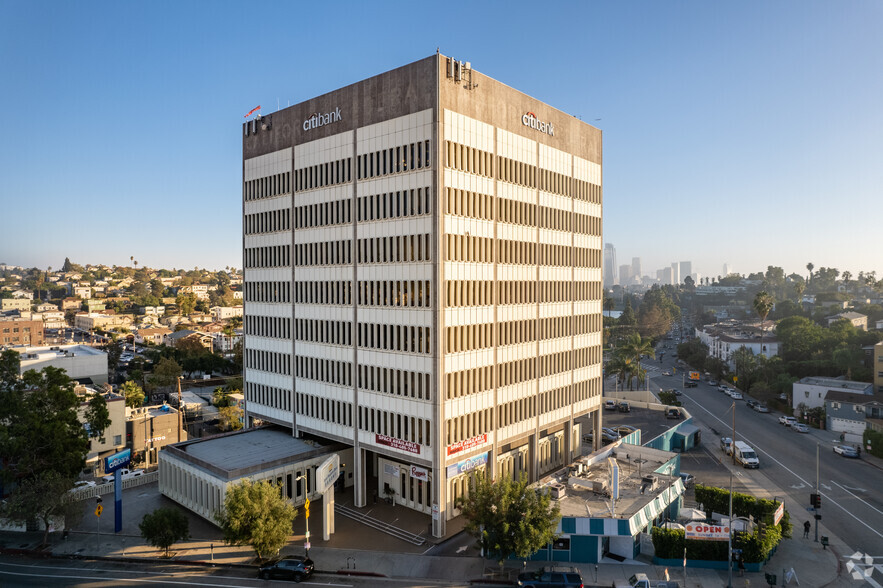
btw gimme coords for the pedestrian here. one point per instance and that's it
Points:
(741, 566)
(806, 528)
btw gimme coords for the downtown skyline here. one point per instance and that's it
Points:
(742, 135)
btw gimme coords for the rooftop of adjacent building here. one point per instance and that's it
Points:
(835, 383)
(585, 486)
(45, 353)
(249, 451)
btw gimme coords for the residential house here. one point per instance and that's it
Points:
(224, 343)
(46, 307)
(858, 320)
(71, 303)
(52, 319)
(153, 310)
(82, 292)
(222, 313)
(199, 290)
(812, 392)
(847, 412)
(173, 339)
(23, 294)
(151, 336)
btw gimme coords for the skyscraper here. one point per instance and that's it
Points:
(422, 255)
(686, 269)
(610, 268)
(636, 268)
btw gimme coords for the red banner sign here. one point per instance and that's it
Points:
(408, 446)
(467, 444)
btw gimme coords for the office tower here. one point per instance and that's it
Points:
(636, 269)
(610, 268)
(422, 255)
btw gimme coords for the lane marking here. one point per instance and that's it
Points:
(787, 469)
(857, 497)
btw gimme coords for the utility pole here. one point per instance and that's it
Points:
(730, 537)
(733, 448)
(180, 410)
(816, 513)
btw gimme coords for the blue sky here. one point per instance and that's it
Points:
(748, 133)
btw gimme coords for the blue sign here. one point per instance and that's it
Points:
(467, 465)
(117, 461)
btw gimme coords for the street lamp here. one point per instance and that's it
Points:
(306, 516)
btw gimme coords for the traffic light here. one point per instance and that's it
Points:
(815, 500)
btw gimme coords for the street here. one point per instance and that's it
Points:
(851, 489)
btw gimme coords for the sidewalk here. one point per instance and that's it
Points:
(346, 553)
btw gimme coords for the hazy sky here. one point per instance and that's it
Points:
(748, 133)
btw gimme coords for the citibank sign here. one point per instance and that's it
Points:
(320, 120)
(530, 120)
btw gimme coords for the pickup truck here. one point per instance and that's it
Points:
(642, 581)
(125, 474)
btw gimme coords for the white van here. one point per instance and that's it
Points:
(745, 455)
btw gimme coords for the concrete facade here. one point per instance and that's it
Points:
(812, 392)
(79, 361)
(422, 279)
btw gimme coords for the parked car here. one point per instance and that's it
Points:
(291, 567)
(125, 474)
(608, 435)
(800, 428)
(625, 430)
(79, 485)
(557, 576)
(624, 406)
(787, 420)
(736, 395)
(609, 405)
(761, 407)
(688, 479)
(751, 403)
(727, 445)
(666, 373)
(846, 450)
(673, 413)
(691, 384)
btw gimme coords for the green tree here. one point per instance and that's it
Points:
(763, 304)
(747, 366)
(45, 497)
(230, 418)
(255, 514)
(164, 527)
(42, 430)
(133, 393)
(507, 517)
(165, 373)
(67, 265)
(186, 303)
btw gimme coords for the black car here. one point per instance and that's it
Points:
(291, 567)
(557, 576)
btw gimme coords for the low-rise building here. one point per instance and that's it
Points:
(151, 336)
(114, 435)
(724, 339)
(848, 413)
(20, 331)
(812, 392)
(15, 304)
(82, 292)
(222, 313)
(152, 428)
(172, 339)
(858, 320)
(87, 321)
(878, 367)
(81, 362)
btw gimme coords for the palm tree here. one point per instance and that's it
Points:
(809, 268)
(763, 304)
(799, 287)
(847, 275)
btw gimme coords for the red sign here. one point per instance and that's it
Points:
(780, 512)
(467, 444)
(408, 446)
(420, 473)
(707, 532)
